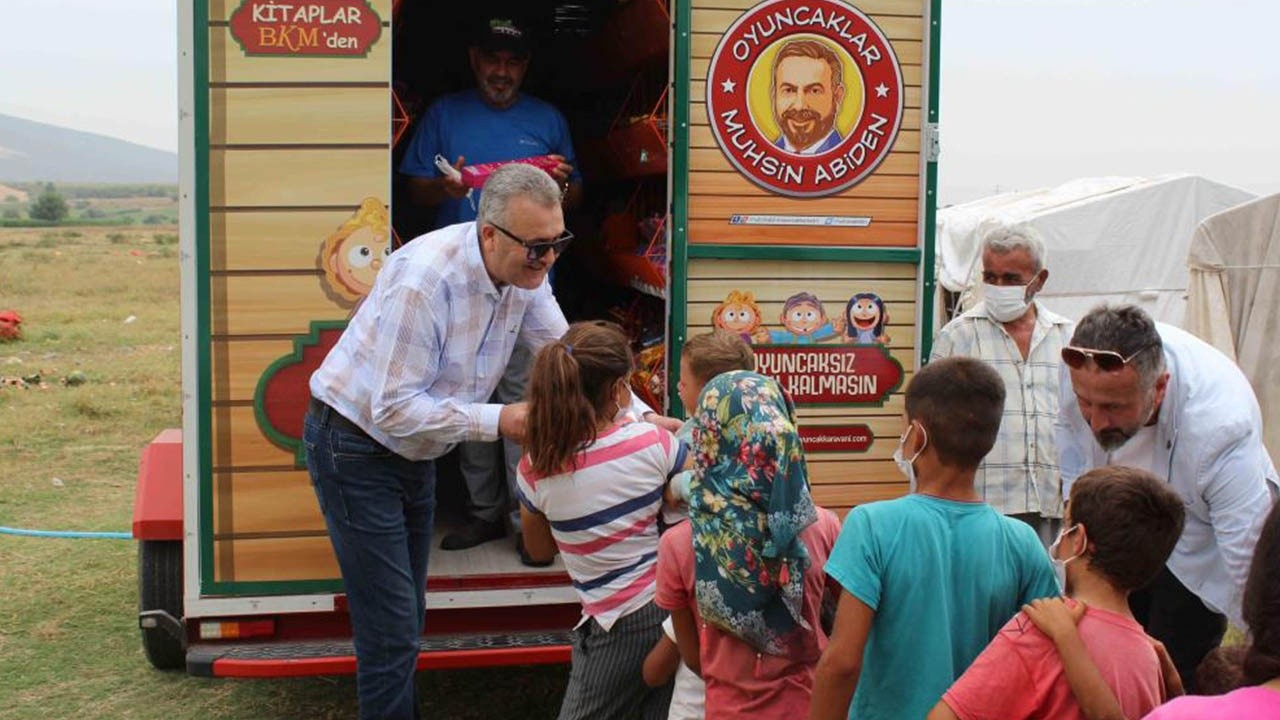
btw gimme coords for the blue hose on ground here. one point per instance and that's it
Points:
(65, 534)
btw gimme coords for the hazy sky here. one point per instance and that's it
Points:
(1034, 92)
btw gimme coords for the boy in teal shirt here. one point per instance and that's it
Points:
(929, 578)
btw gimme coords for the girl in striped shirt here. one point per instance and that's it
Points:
(592, 488)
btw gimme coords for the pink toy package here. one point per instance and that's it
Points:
(474, 176)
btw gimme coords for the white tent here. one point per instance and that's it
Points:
(1234, 297)
(1119, 240)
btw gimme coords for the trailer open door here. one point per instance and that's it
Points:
(812, 234)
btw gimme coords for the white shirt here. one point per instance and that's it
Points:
(417, 364)
(689, 697)
(1139, 452)
(1208, 445)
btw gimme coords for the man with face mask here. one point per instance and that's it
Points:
(493, 122)
(1151, 396)
(1022, 340)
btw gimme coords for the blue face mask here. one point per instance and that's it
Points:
(908, 466)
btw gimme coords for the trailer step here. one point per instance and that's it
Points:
(296, 658)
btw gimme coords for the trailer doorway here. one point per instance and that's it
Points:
(605, 66)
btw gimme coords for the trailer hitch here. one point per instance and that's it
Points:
(153, 619)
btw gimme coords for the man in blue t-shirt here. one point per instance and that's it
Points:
(492, 122)
(930, 578)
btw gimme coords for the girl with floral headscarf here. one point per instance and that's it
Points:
(749, 563)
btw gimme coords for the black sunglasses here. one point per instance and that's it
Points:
(1106, 360)
(534, 249)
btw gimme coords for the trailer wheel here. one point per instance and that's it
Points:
(160, 589)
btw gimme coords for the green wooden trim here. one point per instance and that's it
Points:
(204, 372)
(275, 587)
(678, 280)
(929, 288)
(300, 344)
(910, 256)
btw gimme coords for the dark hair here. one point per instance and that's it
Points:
(570, 390)
(959, 401)
(849, 330)
(1220, 672)
(1128, 330)
(1132, 520)
(718, 351)
(1262, 604)
(811, 49)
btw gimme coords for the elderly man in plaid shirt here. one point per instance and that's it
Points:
(1022, 340)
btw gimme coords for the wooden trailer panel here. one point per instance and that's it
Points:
(298, 158)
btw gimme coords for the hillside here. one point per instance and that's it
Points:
(37, 151)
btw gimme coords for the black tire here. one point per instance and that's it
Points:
(160, 588)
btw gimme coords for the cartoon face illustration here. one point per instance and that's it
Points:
(354, 253)
(738, 313)
(803, 314)
(866, 319)
(807, 93)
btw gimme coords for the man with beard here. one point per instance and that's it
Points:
(493, 122)
(1154, 397)
(808, 92)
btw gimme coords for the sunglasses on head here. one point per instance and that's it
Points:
(1105, 360)
(535, 249)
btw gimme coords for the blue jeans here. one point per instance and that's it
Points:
(378, 508)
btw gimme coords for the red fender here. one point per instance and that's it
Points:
(157, 503)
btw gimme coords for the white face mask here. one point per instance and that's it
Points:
(908, 466)
(1060, 566)
(1005, 303)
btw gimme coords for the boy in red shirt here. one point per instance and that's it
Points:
(1119, 527)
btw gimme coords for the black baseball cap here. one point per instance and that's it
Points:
(497, 34)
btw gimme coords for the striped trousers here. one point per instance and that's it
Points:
(605, 680)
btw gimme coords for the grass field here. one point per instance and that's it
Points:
(104, 302)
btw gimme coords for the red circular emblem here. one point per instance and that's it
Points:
(804, 96)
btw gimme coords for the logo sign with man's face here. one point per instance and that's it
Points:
(804, 96)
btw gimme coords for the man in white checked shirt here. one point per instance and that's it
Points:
(1023, 341)
(410, 378)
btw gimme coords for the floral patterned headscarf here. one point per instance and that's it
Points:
(749, 500)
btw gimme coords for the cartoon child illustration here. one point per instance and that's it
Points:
(804, 320)
(739, 313)
(866, 319)
(354, 253)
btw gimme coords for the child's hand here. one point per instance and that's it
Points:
(669, 424)
(1054, 617)
(677, 491)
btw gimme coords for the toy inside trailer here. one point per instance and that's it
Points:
(720, 191)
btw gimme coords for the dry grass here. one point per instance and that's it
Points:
(69, 644)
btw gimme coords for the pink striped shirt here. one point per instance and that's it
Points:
(604, 515)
